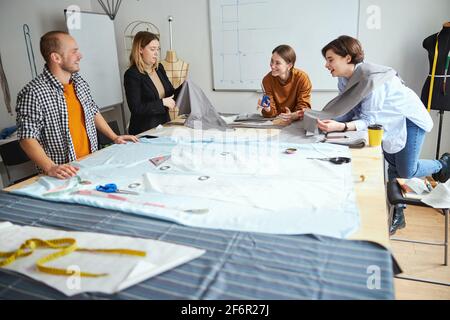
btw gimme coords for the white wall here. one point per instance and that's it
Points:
(41, 16)
(398, 43)
(404, 24)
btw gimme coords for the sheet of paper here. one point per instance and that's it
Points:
(228, 119)
(439, 197)
(123, 270)
(417, 185)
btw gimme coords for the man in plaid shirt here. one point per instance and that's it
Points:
(57, 118)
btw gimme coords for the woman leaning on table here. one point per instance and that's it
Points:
(390, 103)
(288, 88)
(148, 91)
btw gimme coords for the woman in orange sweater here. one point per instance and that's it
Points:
(288, 88)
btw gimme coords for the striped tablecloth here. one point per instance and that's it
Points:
(237, 265)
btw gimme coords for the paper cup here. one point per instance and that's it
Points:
(375, 135)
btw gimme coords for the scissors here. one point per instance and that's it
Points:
(112, 188)
(335, 160)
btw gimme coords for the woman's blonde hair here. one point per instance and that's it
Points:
(140, 41)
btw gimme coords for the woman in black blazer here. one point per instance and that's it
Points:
(148, 90)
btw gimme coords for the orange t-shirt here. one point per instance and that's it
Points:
(77, 126)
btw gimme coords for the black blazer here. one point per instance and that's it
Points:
(147, 109)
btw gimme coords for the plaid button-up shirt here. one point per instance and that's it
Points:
(42, 115)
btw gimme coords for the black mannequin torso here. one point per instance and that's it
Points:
(439, 100)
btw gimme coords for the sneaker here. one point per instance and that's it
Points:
(398, 220)
(443, 175)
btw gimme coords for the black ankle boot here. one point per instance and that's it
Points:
(398, 220)
(443, 175)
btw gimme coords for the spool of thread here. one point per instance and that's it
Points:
(290, 150)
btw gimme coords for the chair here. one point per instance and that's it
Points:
(395, 197)
(17, 165)
(104, 141)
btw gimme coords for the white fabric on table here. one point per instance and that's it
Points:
(250, 185)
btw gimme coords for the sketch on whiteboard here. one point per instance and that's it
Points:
(235, 34)
(243, 35)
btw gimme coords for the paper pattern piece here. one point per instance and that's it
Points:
(158, 160)
(123, 270)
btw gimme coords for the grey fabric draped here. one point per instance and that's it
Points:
(366, 78)
(5, 88)
(202, 114)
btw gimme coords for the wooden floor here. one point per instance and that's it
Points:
(420, 260)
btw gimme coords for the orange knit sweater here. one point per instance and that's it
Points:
(294, 94)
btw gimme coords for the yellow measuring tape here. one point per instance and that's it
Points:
(66, 246)
(433, 73)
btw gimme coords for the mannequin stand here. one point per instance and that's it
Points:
(438, 147)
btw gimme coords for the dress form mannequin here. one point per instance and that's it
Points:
(440, 97)
(176, 70)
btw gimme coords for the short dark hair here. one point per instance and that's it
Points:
(50, 43)
(346, 45)
(286, 53)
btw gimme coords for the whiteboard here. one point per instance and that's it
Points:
(99, 65)
(244, 33)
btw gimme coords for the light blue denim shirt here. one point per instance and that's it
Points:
(389, 105)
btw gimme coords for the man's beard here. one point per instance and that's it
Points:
(70, 68)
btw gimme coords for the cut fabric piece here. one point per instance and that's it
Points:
(123, 270)
(352, 139)
(252, 117)
(366, 78)
(202, 114)
(295, 133)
